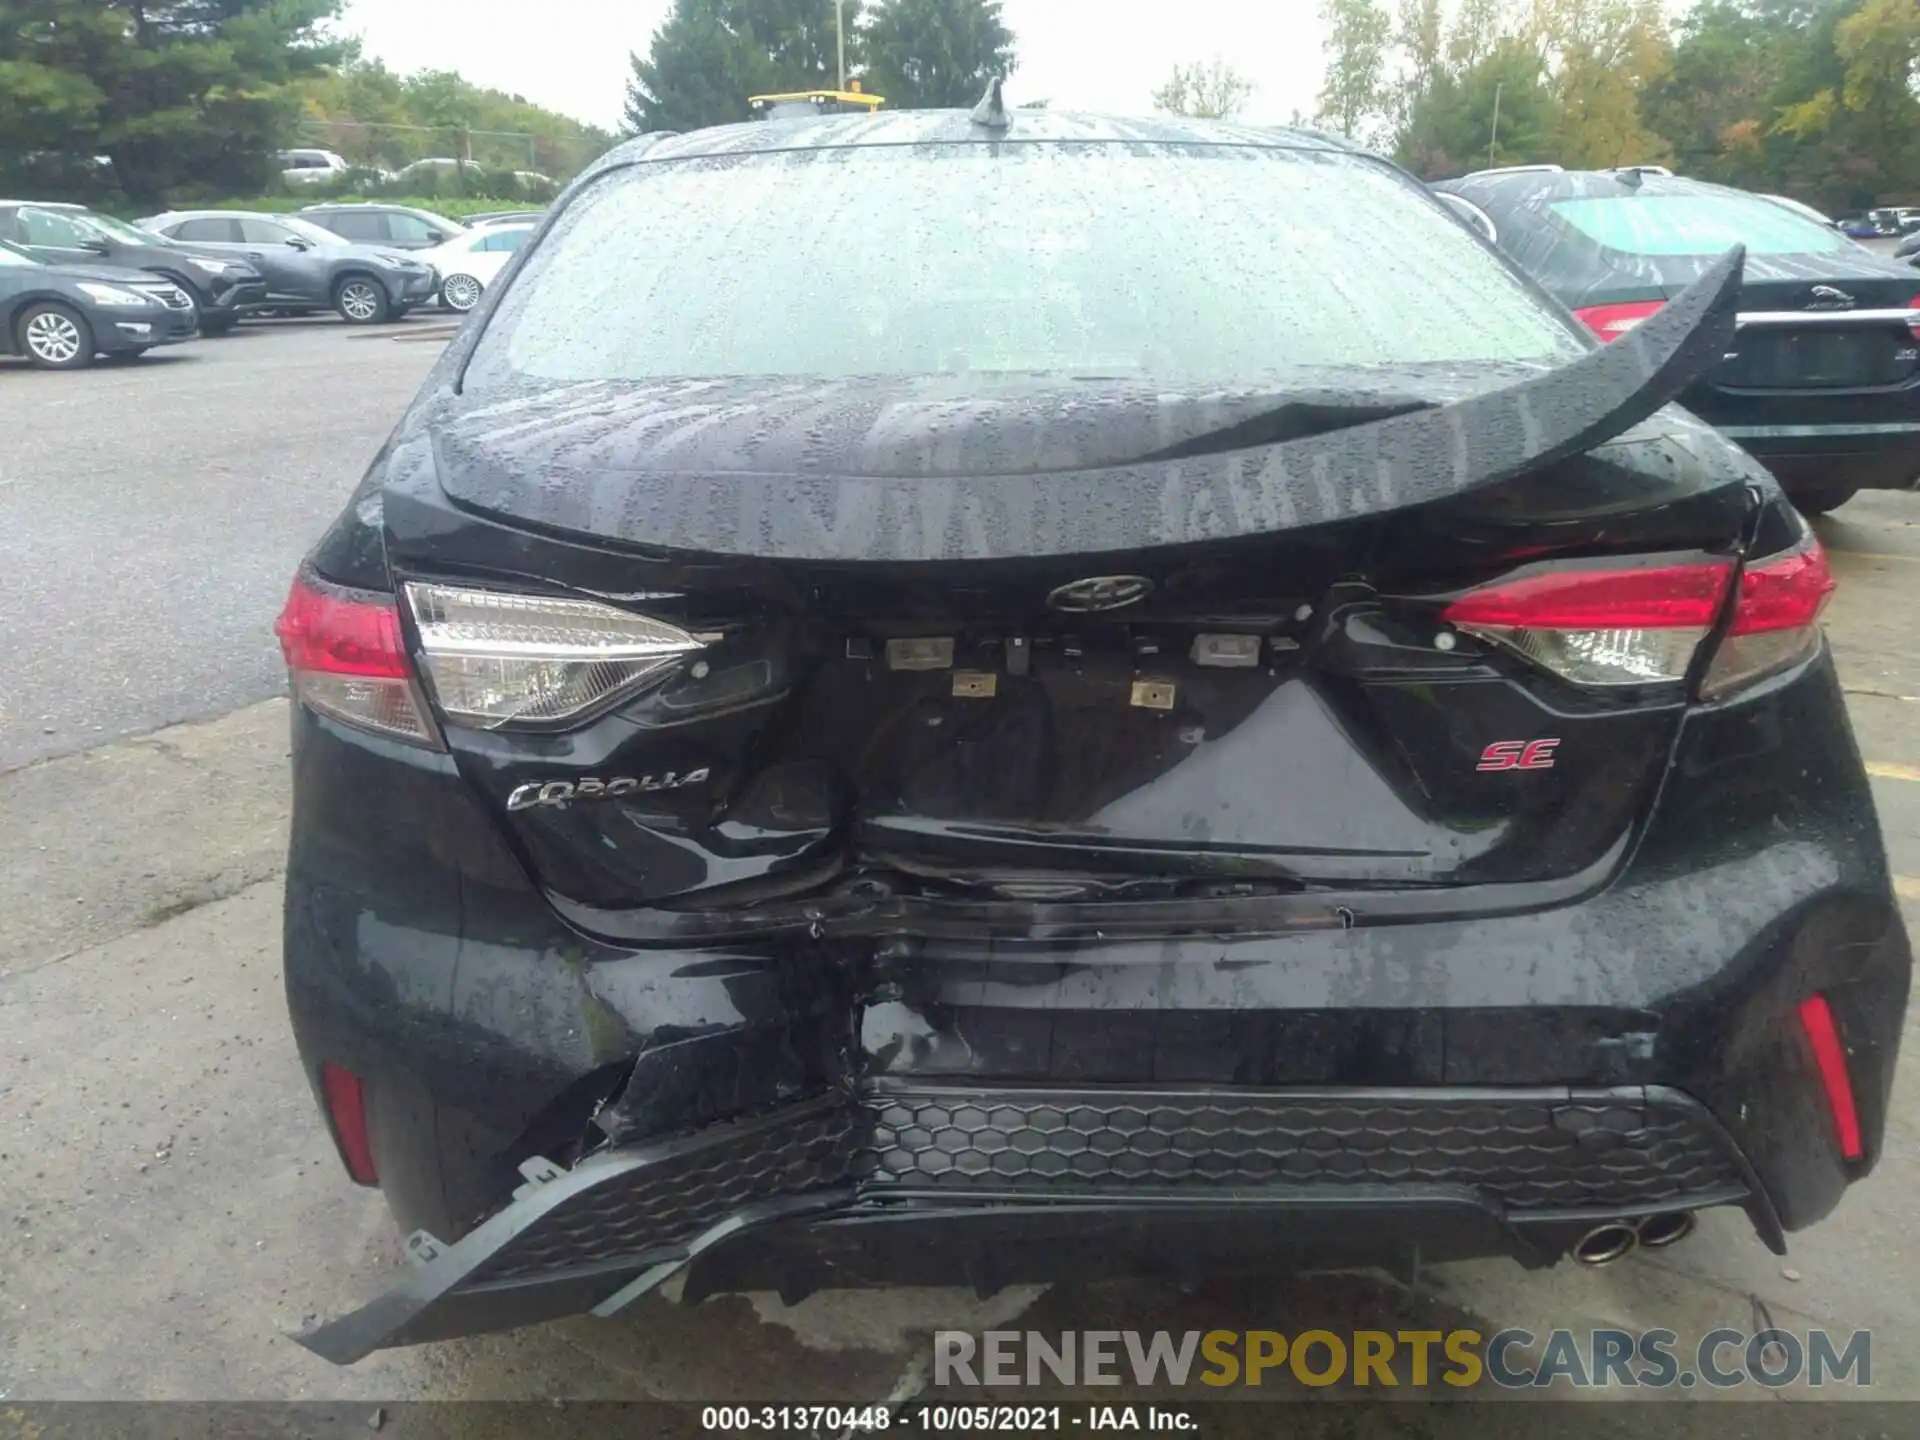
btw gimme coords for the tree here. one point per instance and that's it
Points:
(182, 95)
(1604, 54)
(710, 55)
(1356, 47)
(935, 54)
(1452, 127)
(1212, 90)
(377, 118)
(1417, 33)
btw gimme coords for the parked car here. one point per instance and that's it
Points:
(1806, 212)
(504, 217)
(306, 267)
(60, 317)
(222, 289)
(468, 264)
(393, 227)
(440, 167)
(1822, 383)
(313, 167)
(853, 773)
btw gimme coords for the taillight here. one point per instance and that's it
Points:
(1609, 624)
(1639, 624)
(496, 659)
(1610, 322)
(1914, 329)
(346, 659)
(1776, 618)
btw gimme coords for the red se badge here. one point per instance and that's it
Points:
(1518, 755)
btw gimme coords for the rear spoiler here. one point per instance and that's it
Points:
(1413, 458)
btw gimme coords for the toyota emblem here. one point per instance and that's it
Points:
(1100, 592)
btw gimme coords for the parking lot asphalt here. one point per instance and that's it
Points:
(169, 1205)
(152, 512)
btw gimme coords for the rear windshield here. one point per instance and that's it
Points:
(1197, 263)
(1697, 225)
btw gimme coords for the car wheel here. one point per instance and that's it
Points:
(460, 293)
(361, 300)
(1811, 500)
(55, 337)
(217, 325)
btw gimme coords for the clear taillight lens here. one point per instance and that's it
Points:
(1617, 624)
(346, 659)
(496, 659)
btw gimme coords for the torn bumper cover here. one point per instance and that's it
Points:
(942, 1183)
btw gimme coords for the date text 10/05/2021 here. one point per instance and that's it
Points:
(936, 1419)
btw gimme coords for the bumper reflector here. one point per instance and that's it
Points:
(346, 1096)
(1816, 1018)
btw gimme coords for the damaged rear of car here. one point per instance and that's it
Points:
(1054, 720)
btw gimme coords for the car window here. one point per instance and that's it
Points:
(263, 232)
(1197, 263)
(1696, 225)
(401, 226)
(43, 227)
(207, 230)
(356, 224)
(503, 241)
(11, 256)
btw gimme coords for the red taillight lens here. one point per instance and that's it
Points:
(1610, 322)
(346, 1097)
(1618, 624)
(1914, 304)
(1830, 1057)
(1776, 620)
(1652, 596)
(346, 659)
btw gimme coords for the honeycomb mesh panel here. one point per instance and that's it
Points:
(1522, 1154)
(1522, 1151)
(659, 1206)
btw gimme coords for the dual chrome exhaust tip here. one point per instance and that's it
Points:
(1617, 1239)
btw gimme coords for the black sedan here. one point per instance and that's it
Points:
(306, 267)
(60, 317)
(901, 709)
(222, 289)
(1822, 381)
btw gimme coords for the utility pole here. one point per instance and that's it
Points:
(1494, 138)
(840, 37)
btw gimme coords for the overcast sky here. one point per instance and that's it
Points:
(571, 55)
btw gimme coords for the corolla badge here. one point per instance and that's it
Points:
(562, 792)
(1100, 592)
(1829, 297)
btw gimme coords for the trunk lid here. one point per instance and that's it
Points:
(1821, 322)
(1048, 653)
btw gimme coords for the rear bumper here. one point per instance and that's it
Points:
(1871, 457)
(948, 1184)
(1478, 1083)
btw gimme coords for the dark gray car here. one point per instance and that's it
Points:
(222, 287)
(395, 227)
(306, 267)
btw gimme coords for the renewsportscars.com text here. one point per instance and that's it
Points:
(1512, 1359)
